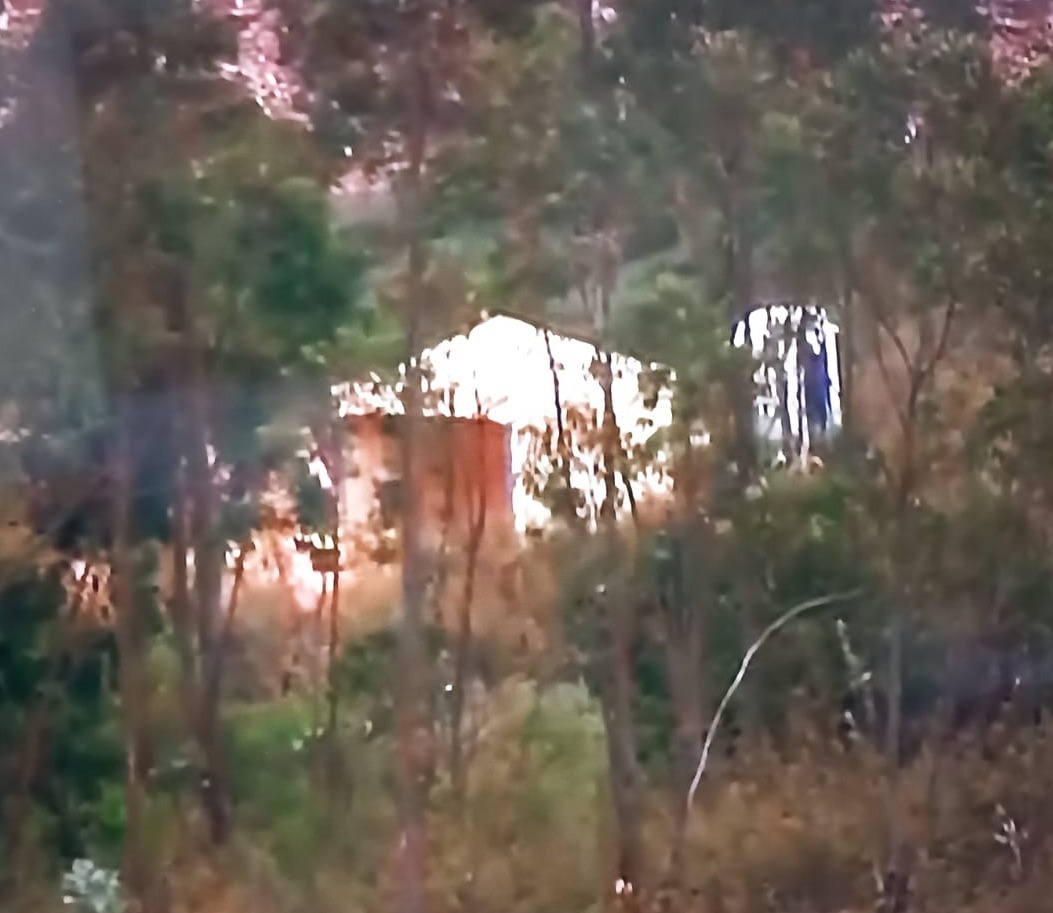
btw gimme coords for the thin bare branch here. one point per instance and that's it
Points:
(942, 340)
(780, 622)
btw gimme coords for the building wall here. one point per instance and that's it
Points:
(466, 475)
(774, 334)
(514, 372)
(466, 468)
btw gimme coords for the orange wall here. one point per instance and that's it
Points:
(465, 462)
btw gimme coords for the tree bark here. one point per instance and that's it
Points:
(476, 511)
(846, 357)
(684, 657)
(334, 460)
(132, 676)
(625, 776)
(739, 276)
(180, 606)
(209, 550)
(412, 724)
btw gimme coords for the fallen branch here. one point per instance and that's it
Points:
(780, 622)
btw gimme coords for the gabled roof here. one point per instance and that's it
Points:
(502, 368)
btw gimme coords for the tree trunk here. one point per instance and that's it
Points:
(414, 731)
(750, 593)
(846, 358)
(685, 667)
(335, 467)
(213, 680)
(201, 532)
(133, 681)
(412, 722)
(895, 889)
(625, 776)
(789, 445)
(739, 279)
(332, 719)
(209, 550)
(476, 510)
(180, 607)
(616, 665)
(587, 31)
(561, 452)
(678, 590)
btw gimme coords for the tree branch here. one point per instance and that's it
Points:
(775, 626)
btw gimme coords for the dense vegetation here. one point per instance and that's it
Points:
(178, 298)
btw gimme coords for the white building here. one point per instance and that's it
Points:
(514, 372)
(793, 344)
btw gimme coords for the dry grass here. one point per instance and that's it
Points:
(794, 831)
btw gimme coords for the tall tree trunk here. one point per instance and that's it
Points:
(561, 452)
(782, 386)
(209, 550)
(212, 689)
(476, 507)
(625, 776)
(133, 681)
(198, 529)
(314, 641)
(617, 684)
(587, 31)
(846, 356)
(335, 467)
(895, 892)
(180, 604)
(208, 571)
(412, 723)
(414, 735)
(933, 344)
(679, 586)
(329, 439)
(739, 280)
(740, 283)
(896, 887)
(332, 718)
(685, 629)
(685, 671)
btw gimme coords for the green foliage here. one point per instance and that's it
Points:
(367, 673)
(534, 790)
(808, 536)
(61, 746)
(821, 31)
(274, 733)
(283, 279)
(274, 792)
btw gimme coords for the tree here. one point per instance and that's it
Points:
(216, 270)
(381, 79)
